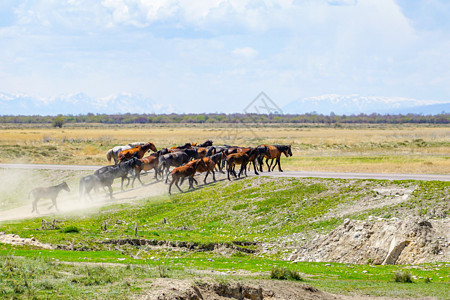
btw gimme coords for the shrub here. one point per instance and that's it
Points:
(70, 229)
(58, 122)
(404, 277)
(282, 273)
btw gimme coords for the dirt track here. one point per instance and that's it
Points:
(297, 174)
(70, 202)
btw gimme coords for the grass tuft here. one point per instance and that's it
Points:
(403, 277)
(282, 273)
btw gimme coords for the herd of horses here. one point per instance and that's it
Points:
(186, 160)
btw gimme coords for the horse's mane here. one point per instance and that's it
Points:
(281, 147)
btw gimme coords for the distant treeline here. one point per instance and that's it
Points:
(230, 118)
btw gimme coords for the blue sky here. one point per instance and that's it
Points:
(217, 55)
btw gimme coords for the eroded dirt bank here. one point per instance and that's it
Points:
(171, 289)
(380, 241)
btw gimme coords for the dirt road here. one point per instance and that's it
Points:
(70, 202)
(298, 174)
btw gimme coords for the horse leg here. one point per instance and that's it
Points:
(244, 168)
(233, 170)
(271, 162)
(260, 162)
(110, 192)
(87, 192)
(176, 184)
(34, 206)
(134, 178)
(254, 167)
(128, 180)
(54, 204)
(241, 170)
(167, 177)
(214, 175)
(267, 163)
(121, 184)
(170, 186)
(279, 164)
(207, 173)
(193, 180)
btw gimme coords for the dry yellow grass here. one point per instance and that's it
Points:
(399, 149)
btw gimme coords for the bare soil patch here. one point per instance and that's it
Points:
(14, 239)
(169, 289)
(380, 241)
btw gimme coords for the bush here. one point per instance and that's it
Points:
(70, 229)
(282, 273)
(404, 277)
(58, 122)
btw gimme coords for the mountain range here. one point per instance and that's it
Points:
(356, 104)
(80, 103)
(75, 104)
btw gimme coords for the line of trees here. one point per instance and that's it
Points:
(228, 118)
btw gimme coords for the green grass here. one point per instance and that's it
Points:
(40, 268)
(251, 210)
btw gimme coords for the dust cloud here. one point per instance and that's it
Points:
(17, 183)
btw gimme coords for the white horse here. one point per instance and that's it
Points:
(114, 152)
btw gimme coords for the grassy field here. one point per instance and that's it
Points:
(193, 233)
(355, 148)
(229, 231)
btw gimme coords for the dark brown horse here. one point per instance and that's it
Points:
(236, 159)
(185, 146)
(274, 153)
(208, 143)
(137, 151)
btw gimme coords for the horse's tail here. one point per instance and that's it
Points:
(81, 187)
(109, 155)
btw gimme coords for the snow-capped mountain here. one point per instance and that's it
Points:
(355, 104)
(80, 103)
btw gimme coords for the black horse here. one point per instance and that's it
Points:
(106, 175)
(208, 143)
(175, 159)
(87, 184)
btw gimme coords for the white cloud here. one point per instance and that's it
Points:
(246, 52)
(170, 50)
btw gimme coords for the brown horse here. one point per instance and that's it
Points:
(148, 163)
(236, 159)
(47, 193)
(274, 153)
(208, 166)
(183, 172)
(202, 151)
(137, 151)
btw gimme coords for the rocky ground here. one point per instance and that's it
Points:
(380, 241)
